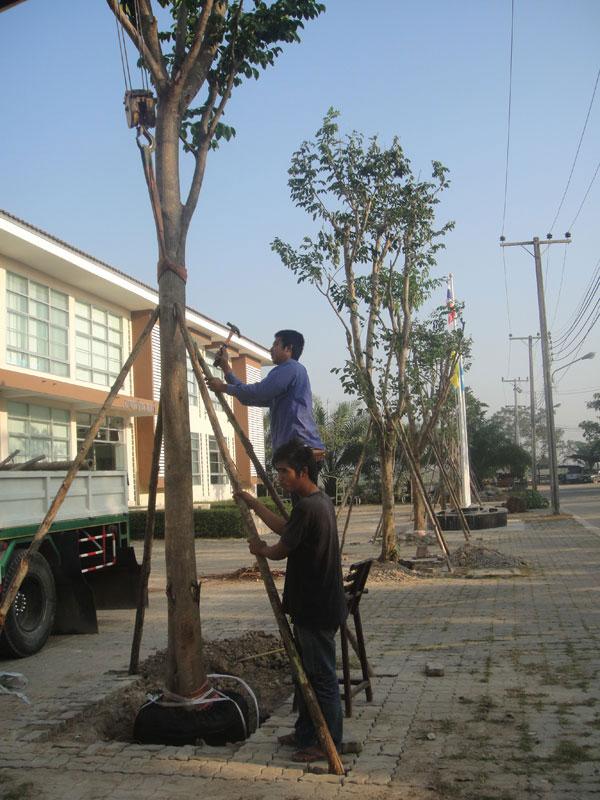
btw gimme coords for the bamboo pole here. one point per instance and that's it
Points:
(450, 487)
(44, 527)
(410, 457)
(353, 484)
(140, 613)
(323, 734)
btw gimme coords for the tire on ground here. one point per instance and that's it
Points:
(31, 617)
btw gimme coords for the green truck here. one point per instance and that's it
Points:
(84, 563)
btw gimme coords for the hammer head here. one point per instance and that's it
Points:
(232, 329)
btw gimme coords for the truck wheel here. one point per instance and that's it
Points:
(31, 617)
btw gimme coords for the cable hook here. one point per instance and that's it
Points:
(144, 133)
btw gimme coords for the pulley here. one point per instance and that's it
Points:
(140, 108)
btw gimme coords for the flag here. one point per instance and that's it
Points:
(455, 379)
(450, 306)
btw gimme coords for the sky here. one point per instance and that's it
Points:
(433, 72)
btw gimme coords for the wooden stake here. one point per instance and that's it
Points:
(450, 487)
(354, 483)
(44, 527)
(140, 613)
(323, 734)
(410, 457)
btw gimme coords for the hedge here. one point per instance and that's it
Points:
(222, 520)
(522, 501)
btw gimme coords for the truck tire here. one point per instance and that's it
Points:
(31, 617)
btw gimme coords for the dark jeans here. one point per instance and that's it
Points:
(317, 648)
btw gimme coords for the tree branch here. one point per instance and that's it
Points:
(152, 60)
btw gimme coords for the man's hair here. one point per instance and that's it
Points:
(292, 339)
(297, 456)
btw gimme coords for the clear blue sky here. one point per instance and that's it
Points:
(431, 71)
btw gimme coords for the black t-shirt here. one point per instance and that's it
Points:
(313, 594)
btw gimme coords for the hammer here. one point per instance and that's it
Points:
(232, 329)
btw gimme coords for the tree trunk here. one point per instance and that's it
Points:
(185, 668)
(388, 530)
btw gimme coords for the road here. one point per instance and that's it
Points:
(582, 500)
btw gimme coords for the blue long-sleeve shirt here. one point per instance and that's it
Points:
(287, 394)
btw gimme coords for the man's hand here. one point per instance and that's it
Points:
(216, 385)
(224, 362)
(257, 547)
(247, 498)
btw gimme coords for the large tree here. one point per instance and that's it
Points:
(371, 259)
(202, 53)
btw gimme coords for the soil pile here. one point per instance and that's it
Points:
(256, 657)
(479, 557)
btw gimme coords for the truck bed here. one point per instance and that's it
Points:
(25, 497)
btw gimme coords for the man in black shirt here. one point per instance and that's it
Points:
(313, 593)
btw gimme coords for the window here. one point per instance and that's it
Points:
(191, 383)
(108, 448)
(217, 468)
(196, 470)
(98, 344)
(38, 430)
(37, 326)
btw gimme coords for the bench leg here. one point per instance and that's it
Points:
(346, 671)
(362, 654)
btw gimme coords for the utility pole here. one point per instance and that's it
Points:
(516, 391)
(535, 243)
(530, 339)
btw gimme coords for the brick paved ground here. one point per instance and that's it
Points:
(516, 714)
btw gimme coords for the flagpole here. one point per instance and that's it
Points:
(461, 412)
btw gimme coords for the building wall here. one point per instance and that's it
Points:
(39, 407)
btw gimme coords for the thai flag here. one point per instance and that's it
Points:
(450, 305)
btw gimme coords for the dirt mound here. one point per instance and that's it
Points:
(243, 574)
(256, 657)
(478, 557)
(389, 571)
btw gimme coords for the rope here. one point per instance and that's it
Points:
(165, 264)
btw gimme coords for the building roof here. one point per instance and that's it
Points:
(34, 247)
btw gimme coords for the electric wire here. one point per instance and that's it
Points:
(577, 347)
(560, 205)
(560, 286)
(562, 344)
(585, 197)
(572, 319)
(510, 72)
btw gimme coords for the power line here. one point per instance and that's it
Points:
(571, 321)
(510, 71)
(560, 205)
(560, 286)
(585, 197)
(576, 348)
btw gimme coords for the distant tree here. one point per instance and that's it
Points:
(588, 452)
(343, 433)
(371, 259)
(491, 448)
(207, 48)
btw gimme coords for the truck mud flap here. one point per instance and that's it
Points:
(117, 586)
(75, 607)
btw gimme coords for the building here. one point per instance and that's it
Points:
(69, 325)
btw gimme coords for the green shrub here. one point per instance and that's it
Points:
(223, 519)
(522, 501)
(213, 523)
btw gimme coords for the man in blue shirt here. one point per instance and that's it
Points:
(285, 392)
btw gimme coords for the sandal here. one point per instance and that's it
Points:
(288, 740)
(309, 754)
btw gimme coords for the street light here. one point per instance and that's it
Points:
(586, 357)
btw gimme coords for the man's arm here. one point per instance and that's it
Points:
(275, 552)
(256, 394)
(274, 521)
